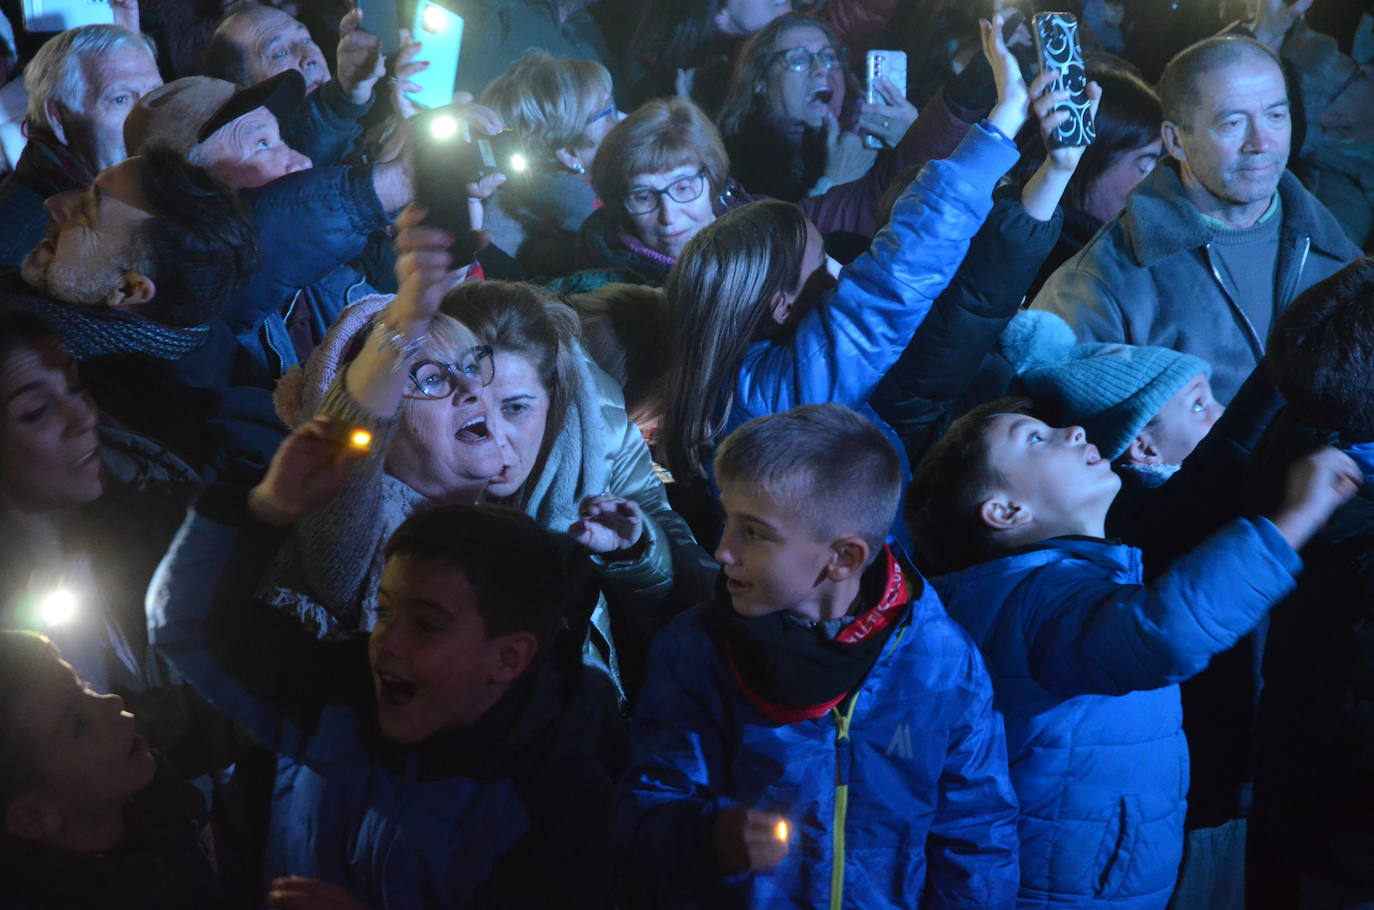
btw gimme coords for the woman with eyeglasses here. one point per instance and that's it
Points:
(560, 110)
(477, 393)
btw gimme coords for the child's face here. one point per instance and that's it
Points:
(83, 744)
(1055, 472)
(772, 558)
(432, 663)
(1182, 422)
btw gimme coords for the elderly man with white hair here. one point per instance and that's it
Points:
(81, 84)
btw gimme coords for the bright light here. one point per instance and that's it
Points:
(518, 163)
(57, 607)
(434, 20)
(782, 830)
(443, 127)
(360, 439)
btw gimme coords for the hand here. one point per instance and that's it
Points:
(306, 472)
(1061, 159)
(610, 526)
(746, 840)
(358, 61)
(406, 67)
(424, 273)
(846, 159)
(484, 119)
(1317, 485)
(1013, 100)
(890, 121)
(1273, 19)
(297, 893)
(126, 14)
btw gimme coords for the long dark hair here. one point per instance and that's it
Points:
(719, 295)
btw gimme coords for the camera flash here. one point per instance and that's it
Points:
(57, 607)
(782, 830)
(433, 20)
(360, 439)
(518, 163)
(443, 127)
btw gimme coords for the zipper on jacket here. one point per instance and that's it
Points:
(844, 755)
(1256, 343)
(1295, 278)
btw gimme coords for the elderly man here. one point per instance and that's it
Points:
(81, 84)
(133, 273)
(312, 222)
(254, 43)
(1218, 240)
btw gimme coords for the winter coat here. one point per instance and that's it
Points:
(536, 221)
(496, 32)
(1149, 277)
(511, 812)
(1084, 663)
(326, 126)
(841, 348)
(1314, 787)
(898, 797)
(45, 168)
(310, 224)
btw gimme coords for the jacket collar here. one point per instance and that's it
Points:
(1109, 554)
(1160, 221)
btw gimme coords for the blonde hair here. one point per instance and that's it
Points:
(660, 136)
(549, 101)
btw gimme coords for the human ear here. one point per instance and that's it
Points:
(513, 654)
(781, 309)
(848, 557)
(32, 817)
(54, 112)
(134, 289)
(1169, 132)
(1143, 451)
(570, 160)
(1004, 514)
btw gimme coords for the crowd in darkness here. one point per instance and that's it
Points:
(778, 486)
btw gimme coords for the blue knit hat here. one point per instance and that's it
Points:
(1111, 390)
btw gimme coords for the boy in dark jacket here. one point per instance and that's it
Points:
(821, 734)
(91, 818)
(1312, 835)
(1084, 658)
(455, 757)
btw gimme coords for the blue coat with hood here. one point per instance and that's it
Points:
(1085, 661)
(898, 797)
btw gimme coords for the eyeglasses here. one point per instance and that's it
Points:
(432, 380)
(641, 200)
(801, 59)
(599, 114)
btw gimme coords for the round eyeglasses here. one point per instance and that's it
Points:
(801, 59)
(433, 380)
(641, 200)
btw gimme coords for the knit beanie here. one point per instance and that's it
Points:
(1111, 390)
(299, 392)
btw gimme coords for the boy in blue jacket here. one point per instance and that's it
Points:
(821, 734)
(1084, 658)
(457, 756)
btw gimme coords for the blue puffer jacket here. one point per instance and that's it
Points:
(897, 798)
(512, 812)
(1085, 661)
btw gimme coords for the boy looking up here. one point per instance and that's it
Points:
(1085, 660)
(91, 818)
(821, 734)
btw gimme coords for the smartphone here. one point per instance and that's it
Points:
(891, 64)
(447, 157)
(380, 18)
(440, 31)
(60, 15)
(1056, 44)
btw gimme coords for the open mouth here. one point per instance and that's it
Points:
(393, 691)
(474, 431)
(820, 95)
(734, 586)
(1093, 455)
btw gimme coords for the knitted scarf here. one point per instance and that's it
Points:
(632, 244)
(89, 333)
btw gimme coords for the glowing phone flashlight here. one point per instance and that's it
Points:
(782, 830)
(434, 21)
(57, 607)
(443, 127)
(518, 163)
(360, 439)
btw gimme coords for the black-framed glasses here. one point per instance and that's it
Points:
(434, 380)
(641, 200)
(801, 59)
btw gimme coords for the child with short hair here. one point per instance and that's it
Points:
(457, 756)
(821, 734)
(91, 818)
(1084, 659)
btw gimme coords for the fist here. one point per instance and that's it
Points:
(749, 840)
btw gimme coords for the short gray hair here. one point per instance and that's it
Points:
(57, 71)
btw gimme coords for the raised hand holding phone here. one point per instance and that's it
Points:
(1056, 42)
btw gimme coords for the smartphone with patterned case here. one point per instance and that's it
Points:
(891, 64)
(1056, 43)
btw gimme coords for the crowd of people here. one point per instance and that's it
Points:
(795, 490)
